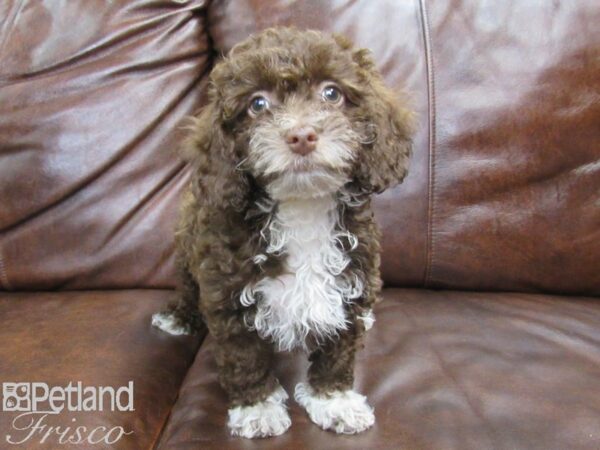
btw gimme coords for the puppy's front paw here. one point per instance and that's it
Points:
(341, 411)
(263, 419)
(170, 324)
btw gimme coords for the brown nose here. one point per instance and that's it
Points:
(302, 140)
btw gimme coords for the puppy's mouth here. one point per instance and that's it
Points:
(305, 176)
(304, 164)
(317, 161)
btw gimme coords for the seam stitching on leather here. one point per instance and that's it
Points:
(3, 276)
(432, 122)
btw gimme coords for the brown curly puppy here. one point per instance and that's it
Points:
(277, 242)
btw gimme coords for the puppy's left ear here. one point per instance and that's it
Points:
(388, 126)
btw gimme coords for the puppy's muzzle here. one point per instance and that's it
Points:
(302, 140)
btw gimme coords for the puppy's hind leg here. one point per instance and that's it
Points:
(328, 398)
(182, 317)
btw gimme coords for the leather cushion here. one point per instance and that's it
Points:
(100, 339)
(444, 370)
(92, 99)
(515, 190)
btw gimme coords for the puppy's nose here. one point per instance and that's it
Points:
(302, 140)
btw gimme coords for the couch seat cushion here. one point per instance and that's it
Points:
(444, 370)
(100, 338)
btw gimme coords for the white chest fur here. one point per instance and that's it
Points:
(308, 298)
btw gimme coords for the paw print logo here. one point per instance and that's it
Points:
(15, 397)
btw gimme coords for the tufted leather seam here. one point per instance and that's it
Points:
(431, 109)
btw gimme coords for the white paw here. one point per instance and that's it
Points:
(368, 319)
(263, 419)
(344, 412)
(168, 324)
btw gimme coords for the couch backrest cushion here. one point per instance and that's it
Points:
(504, 187)
(515, 188)
(92, 97)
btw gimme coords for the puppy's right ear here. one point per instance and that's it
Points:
(216, 179)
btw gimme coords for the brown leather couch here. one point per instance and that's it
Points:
(489, 335)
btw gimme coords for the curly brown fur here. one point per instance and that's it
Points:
(240, 184)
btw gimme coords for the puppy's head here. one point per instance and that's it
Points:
(301, 114)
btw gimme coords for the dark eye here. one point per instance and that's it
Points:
(332, 94)
(258, 105)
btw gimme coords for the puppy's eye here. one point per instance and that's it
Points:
(332, 94)
(258, 105)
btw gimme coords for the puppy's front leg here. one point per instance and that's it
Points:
(257, 401)
(328, 397)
